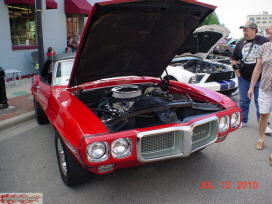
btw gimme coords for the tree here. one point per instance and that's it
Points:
(211, 19)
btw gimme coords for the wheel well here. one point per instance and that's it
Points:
(171, 78)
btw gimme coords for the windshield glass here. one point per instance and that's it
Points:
(63, 72)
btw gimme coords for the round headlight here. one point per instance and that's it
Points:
(121, 148)
(235, 119)
(224, 124)
(96, 150)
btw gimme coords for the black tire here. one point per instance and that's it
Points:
(171, 78)
(40, 114)
(71, 171)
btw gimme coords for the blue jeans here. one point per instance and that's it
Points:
(245, 101)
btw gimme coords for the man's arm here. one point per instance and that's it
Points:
(236, 55)
(237, 71)
(255, 76)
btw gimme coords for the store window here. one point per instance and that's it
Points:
(74, 22)
(22, 24)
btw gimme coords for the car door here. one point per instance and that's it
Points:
(43, 89)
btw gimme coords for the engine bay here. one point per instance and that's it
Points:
(142, 105)
(201, 66)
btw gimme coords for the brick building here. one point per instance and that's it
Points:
(262, 20)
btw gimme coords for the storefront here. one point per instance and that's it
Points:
(60, 18)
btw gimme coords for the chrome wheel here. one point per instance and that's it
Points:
(61, 156)
(71, 171)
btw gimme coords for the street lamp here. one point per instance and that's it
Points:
(38, 4)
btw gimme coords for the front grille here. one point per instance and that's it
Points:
(158, 142)
(178, 141)
(201, 132)
(219, 76)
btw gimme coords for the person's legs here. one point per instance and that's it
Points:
(244, 101)
(262, 126)
(265, 107)
(256, 96)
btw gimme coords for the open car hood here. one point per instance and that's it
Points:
(203, 41)
(124, 38)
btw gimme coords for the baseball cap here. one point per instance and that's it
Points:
(249, 24)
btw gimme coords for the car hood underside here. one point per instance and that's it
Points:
(134, 38)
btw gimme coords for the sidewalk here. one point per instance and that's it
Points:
(20, 103)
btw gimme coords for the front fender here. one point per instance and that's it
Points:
(179, 73)
(73, 119)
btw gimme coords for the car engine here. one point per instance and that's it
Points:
(200, 66)
(135, 106)
(122, 99)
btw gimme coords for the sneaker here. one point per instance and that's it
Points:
(243, 125)
(268, 130)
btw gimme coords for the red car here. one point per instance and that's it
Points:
(108, 104)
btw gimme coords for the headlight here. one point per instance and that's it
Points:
(98, 151)
(121, 148)
(224, 123)
(235, 119)
(195, 79)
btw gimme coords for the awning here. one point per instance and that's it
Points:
(77, 6)
(50, 4)
(32, 2)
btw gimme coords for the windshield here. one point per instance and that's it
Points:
(63, 72)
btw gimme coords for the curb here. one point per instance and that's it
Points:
(17, 120)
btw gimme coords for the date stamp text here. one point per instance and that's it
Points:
(230, 184)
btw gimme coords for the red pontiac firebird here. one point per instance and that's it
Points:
(107, 102)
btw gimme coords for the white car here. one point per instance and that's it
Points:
(193, 67)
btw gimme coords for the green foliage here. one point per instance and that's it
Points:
(211, 19)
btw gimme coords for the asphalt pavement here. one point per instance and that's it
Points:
(20, 104)
(234, 171)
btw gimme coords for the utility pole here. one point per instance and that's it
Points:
(39, 32)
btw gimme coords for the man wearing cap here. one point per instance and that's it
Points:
(244, 59)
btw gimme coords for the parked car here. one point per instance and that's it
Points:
(221, 45)
(225, 49)
(193, 67)
(108, 105)
(231, 44)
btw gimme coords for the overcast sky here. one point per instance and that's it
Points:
(233, 13)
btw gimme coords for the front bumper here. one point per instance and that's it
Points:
(176, 141)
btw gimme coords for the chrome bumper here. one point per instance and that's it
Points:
(175, 142)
